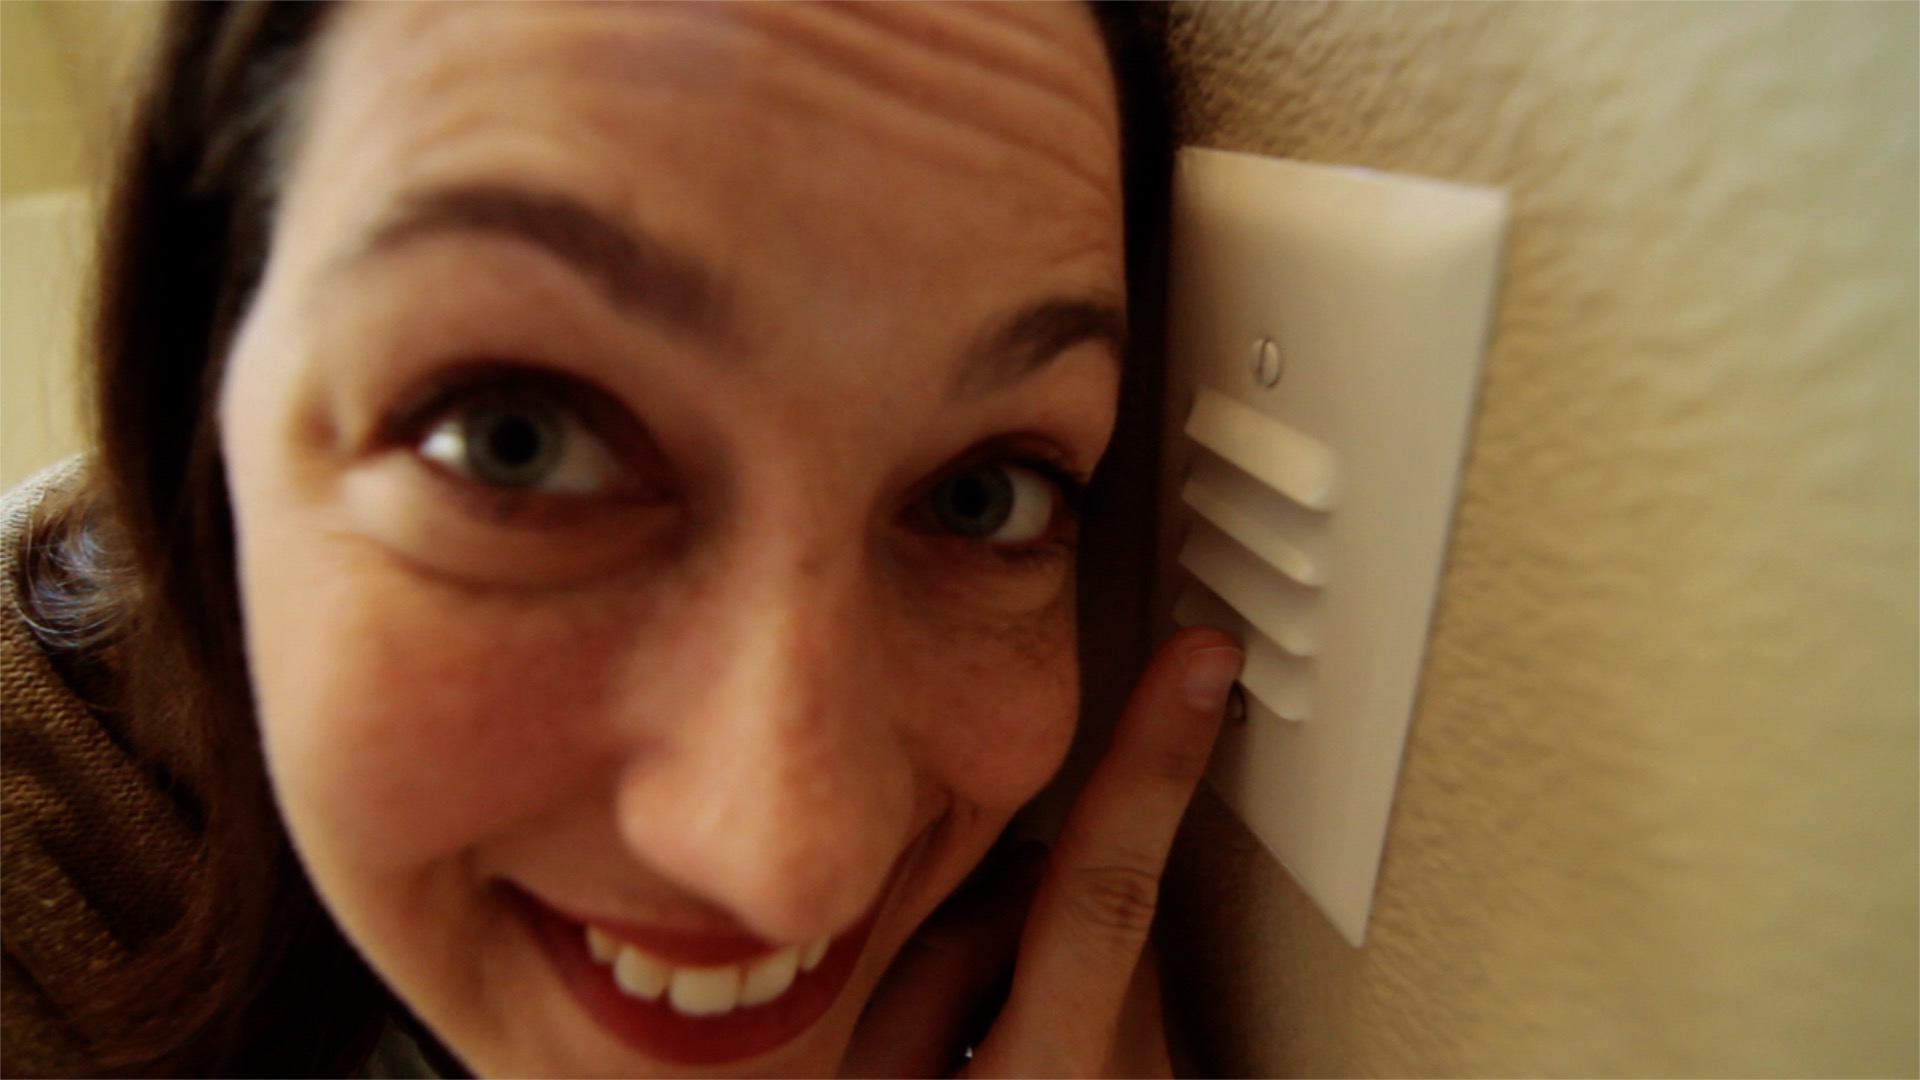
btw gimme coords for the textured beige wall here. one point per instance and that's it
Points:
(1658, 813)
(38, 116)
(63, 83)
(63, 73)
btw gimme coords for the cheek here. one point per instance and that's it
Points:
(405, 722)
(1002, 702)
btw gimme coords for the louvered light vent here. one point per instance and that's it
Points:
(1326, 333)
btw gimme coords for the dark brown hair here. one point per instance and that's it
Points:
(138, 601)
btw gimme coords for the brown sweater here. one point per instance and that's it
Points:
(98, 857)
(110, 968)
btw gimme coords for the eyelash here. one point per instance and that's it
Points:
(469, 388)
(473, 386)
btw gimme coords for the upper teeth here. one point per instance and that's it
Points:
(702, 991)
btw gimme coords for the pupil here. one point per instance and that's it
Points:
(969, 496)
(513, 449)
(513, 442)
(974, 503)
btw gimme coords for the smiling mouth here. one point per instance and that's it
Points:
(695, 1000)
(702, 989)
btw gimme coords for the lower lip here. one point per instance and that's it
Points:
(655, 1029)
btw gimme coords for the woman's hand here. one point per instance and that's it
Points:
(1079, 944)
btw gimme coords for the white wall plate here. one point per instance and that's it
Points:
(1321, 500)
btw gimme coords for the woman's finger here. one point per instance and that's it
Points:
(1084, 935)
(950, 976)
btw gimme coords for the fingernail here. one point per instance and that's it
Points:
(1210, 676)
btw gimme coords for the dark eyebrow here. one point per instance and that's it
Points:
(1033, 337)
(637, 273)
(640, 274)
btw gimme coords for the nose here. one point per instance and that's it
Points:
(774, 782)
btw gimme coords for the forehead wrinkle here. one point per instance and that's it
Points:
(1081, 228)
(857, 66)
(1005, 85)
(995, 37)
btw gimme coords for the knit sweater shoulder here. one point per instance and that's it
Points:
(104, 897)
(99, 856)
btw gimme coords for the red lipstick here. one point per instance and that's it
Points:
(656, 1028)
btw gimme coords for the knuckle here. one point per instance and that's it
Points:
(1118, 900)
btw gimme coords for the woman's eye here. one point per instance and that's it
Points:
(1000, 504)
(522, 447)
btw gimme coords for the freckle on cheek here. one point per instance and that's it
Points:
(1010, 706)
(452, 727)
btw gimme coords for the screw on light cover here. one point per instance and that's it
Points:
(1237, 705)
(1267, 365)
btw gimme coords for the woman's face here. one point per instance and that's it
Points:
(651, 450)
